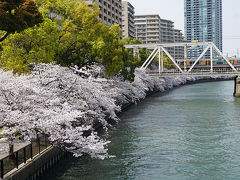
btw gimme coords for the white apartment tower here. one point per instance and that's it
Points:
(151, 29)
(147, 28)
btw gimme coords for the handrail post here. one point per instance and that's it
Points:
(39, 144)
(17, 159)
(24, 155)
(31, 151)
(2, 169)
(45, 139)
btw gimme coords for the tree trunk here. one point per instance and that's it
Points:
(4, 36)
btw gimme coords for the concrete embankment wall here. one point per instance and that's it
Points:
(35, 168)
(40, 164)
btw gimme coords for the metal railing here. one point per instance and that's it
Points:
(195, 72)
(21, 156)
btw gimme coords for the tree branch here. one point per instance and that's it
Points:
(4, 36)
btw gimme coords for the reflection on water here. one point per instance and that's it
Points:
(192, 132)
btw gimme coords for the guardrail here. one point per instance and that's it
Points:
(217, 72)
(21, 156)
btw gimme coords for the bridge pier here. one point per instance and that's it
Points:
(237, 86)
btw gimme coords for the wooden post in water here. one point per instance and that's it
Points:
(237, 86)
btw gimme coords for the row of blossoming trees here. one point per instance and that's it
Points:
(65, 100)
(61, 101)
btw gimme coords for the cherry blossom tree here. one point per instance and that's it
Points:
(66, 103)
(59, 103)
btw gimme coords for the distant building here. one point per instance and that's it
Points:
(203, 23)
(151, 29)
(147, 28)
(110, 11)
(178, 38)
(128, 20)
(167, 33)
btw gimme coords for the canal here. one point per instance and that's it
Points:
(191, 132)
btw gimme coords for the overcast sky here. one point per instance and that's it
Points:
(174, 10)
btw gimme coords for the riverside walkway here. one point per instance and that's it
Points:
(23, 154)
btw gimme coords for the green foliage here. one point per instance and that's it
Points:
(109, 50)
(143, 55)
(131, 61)
(81, 37)
(84, 39)
(71, 34)
(167, 63)
(33, 45)
(17, 15)
(143, 52)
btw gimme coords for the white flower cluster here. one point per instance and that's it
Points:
(3, 149)
(65, 103)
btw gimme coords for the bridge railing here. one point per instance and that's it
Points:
(21, 156)
(195, 71)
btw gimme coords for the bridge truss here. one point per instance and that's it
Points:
(159, 49)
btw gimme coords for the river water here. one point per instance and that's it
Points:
(191, 132)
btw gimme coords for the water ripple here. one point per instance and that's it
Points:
(191, 133)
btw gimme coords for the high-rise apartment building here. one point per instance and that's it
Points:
(203, 23)
(147, 28)
(128, 20)
(110, 11)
